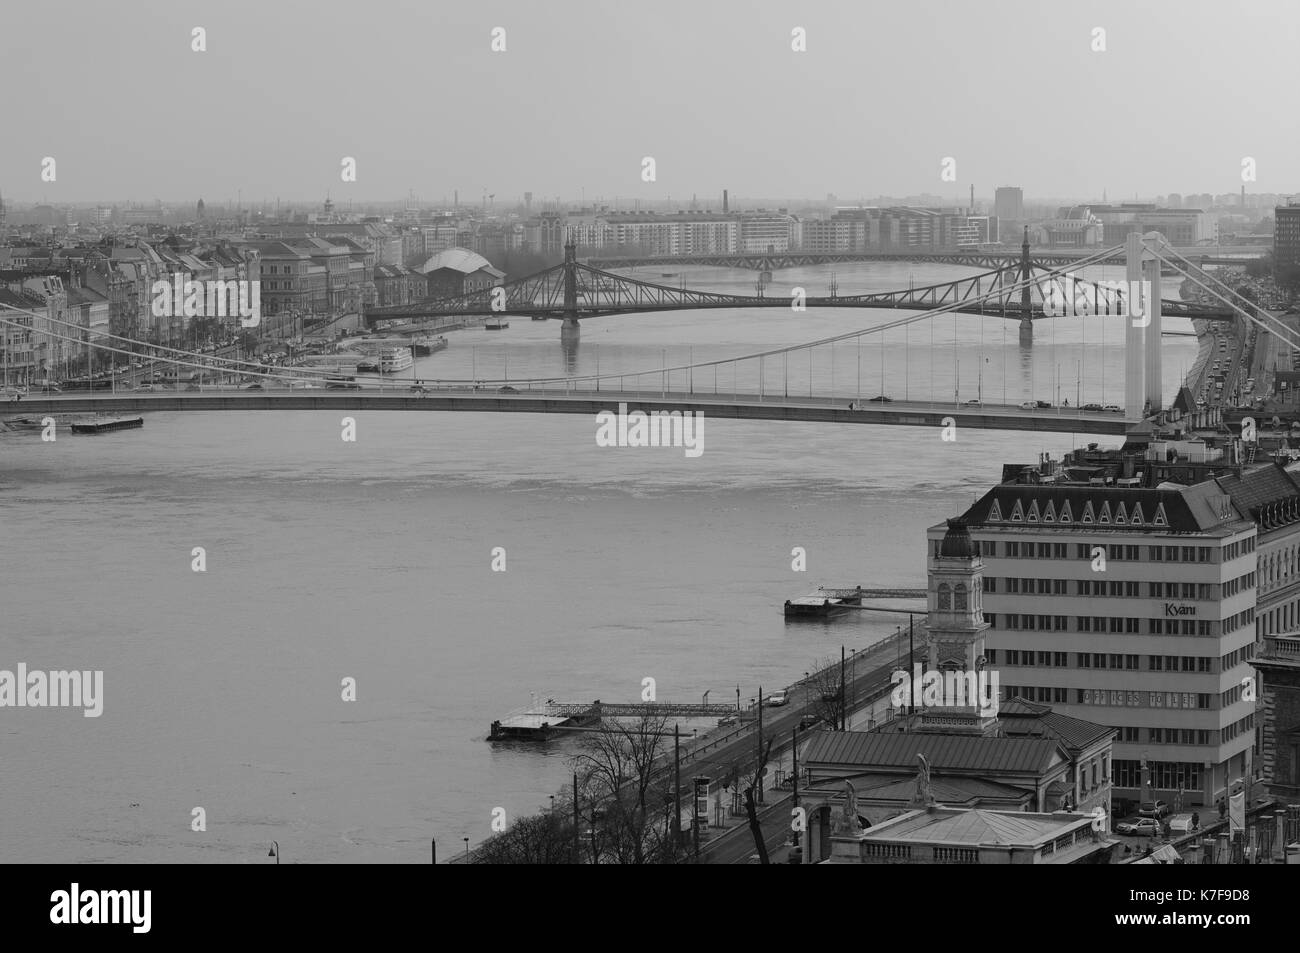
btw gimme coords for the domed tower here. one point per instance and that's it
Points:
(955, 627)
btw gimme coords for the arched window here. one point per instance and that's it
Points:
(945, 598)
(959, 601)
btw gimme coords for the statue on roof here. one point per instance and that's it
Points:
(923, 796)
(847, 820)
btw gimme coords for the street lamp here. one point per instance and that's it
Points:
(596, 817)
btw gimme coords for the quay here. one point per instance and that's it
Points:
(539, 722)
(107, 425)
(825, 603)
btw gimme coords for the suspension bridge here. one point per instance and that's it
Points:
(572, 291)
(760, 393)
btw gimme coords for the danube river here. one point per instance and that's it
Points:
(371, 561)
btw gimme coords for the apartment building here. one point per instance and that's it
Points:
(1130, 607)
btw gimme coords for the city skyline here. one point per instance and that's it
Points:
(477, 116)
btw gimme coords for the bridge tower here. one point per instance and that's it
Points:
(1026, 303)
(1143, 368)
(569, 329)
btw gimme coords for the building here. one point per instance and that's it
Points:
(693, 233)
(1009, 204)
(1286, 237)
(945, 835)
(1132, 607)
(1278, 691)
(1074, 227)
(766, 232)
(974, 751)
(458, 271)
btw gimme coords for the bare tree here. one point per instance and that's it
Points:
(825, 694)
(543, 838)
(623, 776)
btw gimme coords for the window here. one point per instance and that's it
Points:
(959, 597)
(945, 596)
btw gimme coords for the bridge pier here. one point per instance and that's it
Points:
(570, 330)
(1026, 330)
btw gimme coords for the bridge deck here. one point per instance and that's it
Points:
(718, 406)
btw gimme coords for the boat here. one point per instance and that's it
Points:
(496, 324)
(541, 317)
(424, 346)
(107, 424)
(398, 359)
(823, 604)
(667, 274)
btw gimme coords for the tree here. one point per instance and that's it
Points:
(544, 838)
(824, 692)
(622, 773)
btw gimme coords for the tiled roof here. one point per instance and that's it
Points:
(951, 790)
(976, 827)
(1020, 718)
(1192, 509)
(944, 752)
(1260, 485)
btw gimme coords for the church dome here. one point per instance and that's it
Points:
(957, 542)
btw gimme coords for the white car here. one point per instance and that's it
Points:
(777, 699)
(1028, 405)
(1112, 409)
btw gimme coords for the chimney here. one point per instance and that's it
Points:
(724, 201)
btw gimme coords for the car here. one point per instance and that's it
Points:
(1184, 823)
(1153, 809)
(342, 385)
(253, 387)
(192, 387)
(973, 403)
(809, 721)
(1200, 402)
(777, 699)
(507, 389)
(1113, 409)
(1043, 403)
(1093, 407)
(1142, 827)
(418, 389)
(1028, 405)
(880, 399)
(137, 363)
(144, 388)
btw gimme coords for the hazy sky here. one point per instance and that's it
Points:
(710, 88)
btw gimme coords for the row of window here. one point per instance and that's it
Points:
(1237, 727)
(1202, 664)
(1015, 549)
(1012, 621)
(1129, 698)
(1162, 775)
(1186, 591)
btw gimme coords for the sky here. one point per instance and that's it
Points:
(710, 89)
